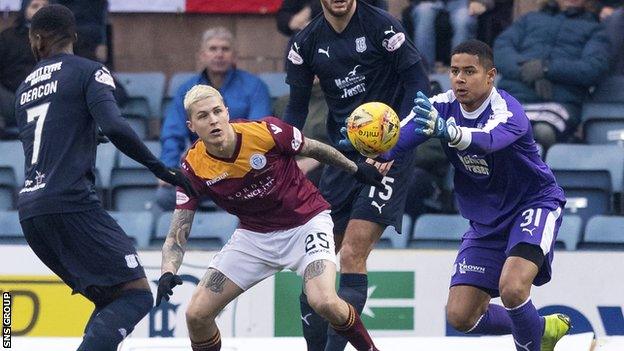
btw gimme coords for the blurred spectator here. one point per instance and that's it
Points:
(294, 15)
(612, 14)
(16, 61)
(245, 95)
(314, 128)
(91, 19)
(495, 20)
(548, 60)
(463, 20)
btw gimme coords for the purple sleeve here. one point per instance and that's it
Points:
(506, 125)
(408, 140)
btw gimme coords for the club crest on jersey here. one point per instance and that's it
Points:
(360, 44)
(132, 261)
(257, 161)
(293, 55)
(103, 76)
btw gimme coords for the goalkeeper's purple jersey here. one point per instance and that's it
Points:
(498, 171)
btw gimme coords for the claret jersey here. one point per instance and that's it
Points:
(261, 183)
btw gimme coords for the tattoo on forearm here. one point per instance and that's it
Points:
(213, 280)
(327, 154)
(175, 243)
(313, 270)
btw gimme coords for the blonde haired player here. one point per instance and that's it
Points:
(248, 169)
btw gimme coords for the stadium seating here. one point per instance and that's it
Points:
(123, 161)
(132, 189)
(438, 231)
(145, 91)
(601, 121)
(570, 232)
(588, 192)
(175, 82)
(104, 162)
(605, 112)
(210, 230)
(12, 155)
(10, 229)
(582, 171)
(138, 226)
(391, 239)
(276, 81)
(8, 188)
(604, 233)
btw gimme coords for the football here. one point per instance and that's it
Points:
(373, 128)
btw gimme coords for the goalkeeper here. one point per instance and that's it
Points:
(506, 191)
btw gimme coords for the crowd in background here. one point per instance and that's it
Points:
(549, 59)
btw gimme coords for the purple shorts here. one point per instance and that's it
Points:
(480, 261)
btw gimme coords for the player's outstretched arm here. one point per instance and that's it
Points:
(173, 252)
(363, 172)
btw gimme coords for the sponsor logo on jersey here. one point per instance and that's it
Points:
(181, 198)
(324, 51)
(103, 76)
(395, 42)
(43, 73)
(293, 55)
(257, 161)
(464, 267)
(475, 164)
(360, 44)
(38, 183)
(218, 178)
(297, 139)
(352, 84)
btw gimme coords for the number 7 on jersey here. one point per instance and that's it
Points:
(38, 113)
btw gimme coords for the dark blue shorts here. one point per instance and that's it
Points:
(480, 261)
(350, 199)
(84, 249)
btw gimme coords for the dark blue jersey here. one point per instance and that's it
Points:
(363, 63)
(58, 133)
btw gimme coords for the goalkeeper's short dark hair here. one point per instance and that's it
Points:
(55, 22)
(476, 47)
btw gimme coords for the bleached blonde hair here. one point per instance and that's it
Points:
(198, 93)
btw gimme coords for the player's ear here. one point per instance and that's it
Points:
(491, 75)
(189, 125)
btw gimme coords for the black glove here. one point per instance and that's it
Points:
(368, 174)
(166, 283)
(174, 176)
(543, 89)
(531, 71)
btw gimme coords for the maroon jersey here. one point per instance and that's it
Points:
(261, 183)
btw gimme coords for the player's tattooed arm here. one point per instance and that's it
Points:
(327, 154)
(175, 243)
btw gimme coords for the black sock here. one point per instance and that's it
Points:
(353, 289)
(314, 326)
(108, 327)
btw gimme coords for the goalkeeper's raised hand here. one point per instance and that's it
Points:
(430, 124)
